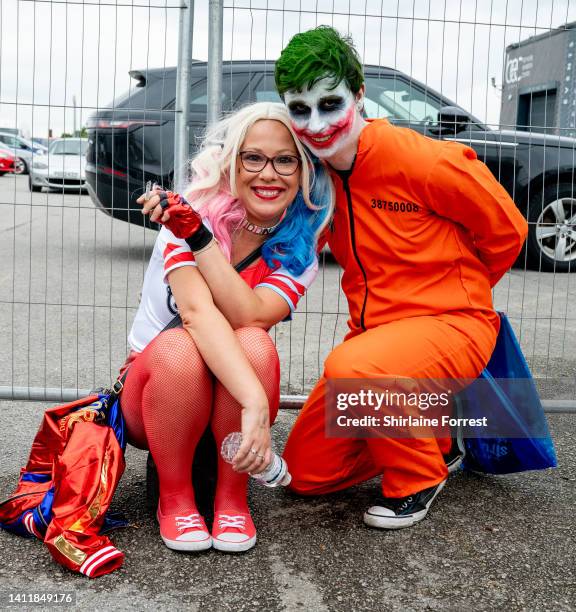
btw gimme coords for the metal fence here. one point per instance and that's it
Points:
(70, 275)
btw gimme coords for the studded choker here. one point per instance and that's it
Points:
(259, 229)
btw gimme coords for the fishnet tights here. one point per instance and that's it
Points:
(166, 403)
(169, 398)
(231, 487)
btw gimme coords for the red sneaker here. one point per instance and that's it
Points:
(233, 532)
(184, 532)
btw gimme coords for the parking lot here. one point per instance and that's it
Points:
(71, 277)
(69, 285)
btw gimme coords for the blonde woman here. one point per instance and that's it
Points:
(254, 187)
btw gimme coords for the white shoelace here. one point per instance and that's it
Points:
(405, 503)
(231, 520)
(189, 522)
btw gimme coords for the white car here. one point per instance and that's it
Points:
(62, 168)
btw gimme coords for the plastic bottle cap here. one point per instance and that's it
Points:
(287, 479)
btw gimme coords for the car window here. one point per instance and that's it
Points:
(10, 141)
(265, 90)
(397, 99)
(155, 95)
(69, 147)
(25, 143)
(129, 150)
(234, 92)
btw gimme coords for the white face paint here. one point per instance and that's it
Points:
(323, 117)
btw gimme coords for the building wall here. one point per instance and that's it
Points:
(538, 65)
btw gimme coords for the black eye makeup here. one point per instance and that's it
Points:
(331, 104)
(299, 109)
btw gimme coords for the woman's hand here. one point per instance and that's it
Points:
(173, 211)
(151, 206)
(255, 452)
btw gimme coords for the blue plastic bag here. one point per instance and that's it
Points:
(514, 407)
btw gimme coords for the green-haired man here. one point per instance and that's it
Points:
(423, 231)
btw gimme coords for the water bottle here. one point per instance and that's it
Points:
(276, 474)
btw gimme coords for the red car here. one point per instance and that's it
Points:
(8, 161)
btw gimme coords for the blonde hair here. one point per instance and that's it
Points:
(213, 189)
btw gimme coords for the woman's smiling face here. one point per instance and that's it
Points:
(323, 116)
(266, 194)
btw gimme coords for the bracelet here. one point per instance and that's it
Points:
(200, 238)
(205, 248)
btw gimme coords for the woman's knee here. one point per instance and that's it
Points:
(263, 357)
(258, 347)
(174, 351)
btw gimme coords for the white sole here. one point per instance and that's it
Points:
(388, 522)
(233, 546)
(455, 465)
(391, 522)
(188, 546)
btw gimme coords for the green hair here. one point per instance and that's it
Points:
(316, 54)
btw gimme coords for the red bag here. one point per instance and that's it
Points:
(66, 488)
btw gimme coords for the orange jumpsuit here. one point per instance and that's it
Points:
(423, 231)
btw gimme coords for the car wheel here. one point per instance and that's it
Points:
(33, 187)
(2, 173)
(20, 167)
(551, 242)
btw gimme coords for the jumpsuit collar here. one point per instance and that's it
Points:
(361, 151)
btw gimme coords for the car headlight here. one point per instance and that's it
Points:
(39, 165)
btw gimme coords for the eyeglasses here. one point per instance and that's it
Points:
(285, 165)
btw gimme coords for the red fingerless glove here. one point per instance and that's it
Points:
(184, 221)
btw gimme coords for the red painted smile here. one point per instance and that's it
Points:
(326, 139)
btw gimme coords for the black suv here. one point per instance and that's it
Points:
(132, 142)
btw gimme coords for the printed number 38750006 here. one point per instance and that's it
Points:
(395, 206)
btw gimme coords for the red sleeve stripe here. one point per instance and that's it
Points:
(288, 280)
(169, 248)
(281, 288)
(106, 564)
(31, 525)
(92, 565)
(179, 258)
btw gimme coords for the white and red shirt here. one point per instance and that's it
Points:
(157, 306)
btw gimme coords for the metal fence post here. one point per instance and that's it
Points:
(181, 139)
(215, 33)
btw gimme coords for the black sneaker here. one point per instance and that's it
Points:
(399, 512)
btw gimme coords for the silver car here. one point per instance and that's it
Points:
(62, 168)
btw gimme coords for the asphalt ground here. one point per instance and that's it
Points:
(489, 543)
(69, 284)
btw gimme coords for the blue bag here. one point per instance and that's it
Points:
(515, 406)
